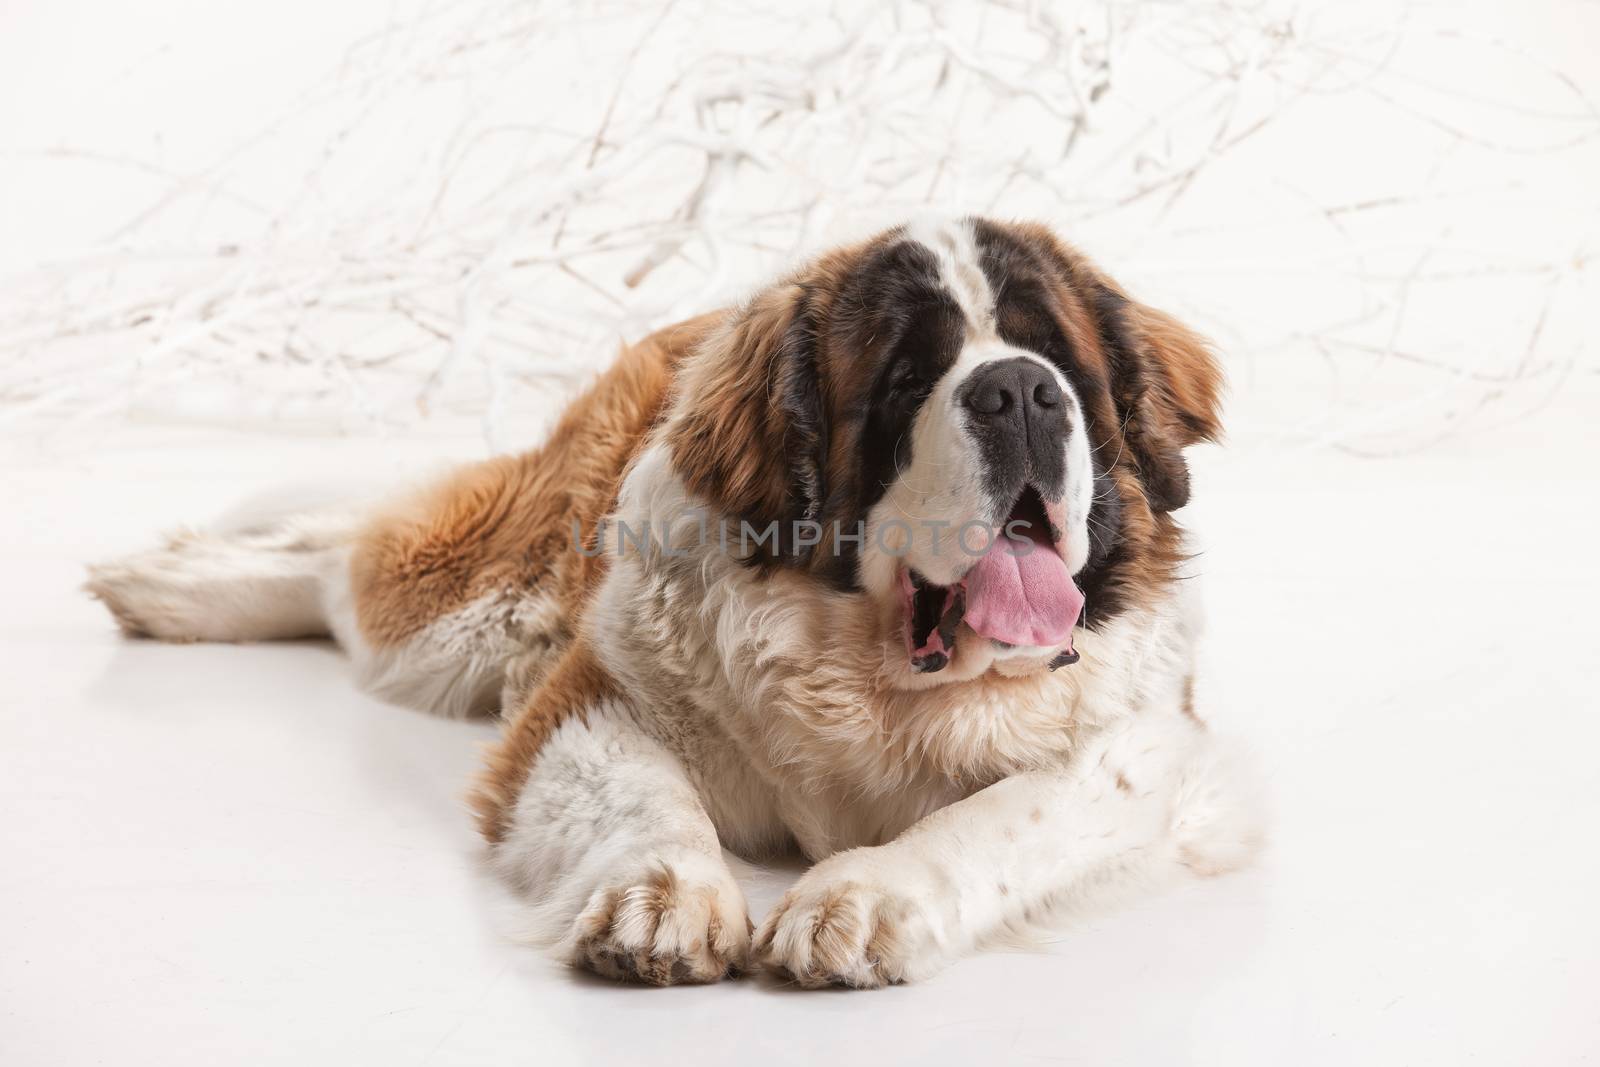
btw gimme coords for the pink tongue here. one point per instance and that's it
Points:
(1020, 593)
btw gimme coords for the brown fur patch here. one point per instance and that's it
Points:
(729, 445)
(506, 523)
(754, 441)
(573, 686)
(1188, 703)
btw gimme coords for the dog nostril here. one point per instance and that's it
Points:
(1046, 394)
(990, 400)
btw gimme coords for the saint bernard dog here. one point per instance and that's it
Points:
(881, 566)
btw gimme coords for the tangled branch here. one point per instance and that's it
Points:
(490, 196)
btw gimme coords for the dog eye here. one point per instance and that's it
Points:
(907, 382)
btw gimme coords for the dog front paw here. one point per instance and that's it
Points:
(672, 923)
(844, 923)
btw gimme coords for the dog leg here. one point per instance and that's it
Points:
(610, 842)
(1144, 804)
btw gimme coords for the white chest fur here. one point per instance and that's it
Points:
(780, 697)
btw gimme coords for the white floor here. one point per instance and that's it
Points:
(227, 855)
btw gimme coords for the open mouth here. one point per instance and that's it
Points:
(1018, 592)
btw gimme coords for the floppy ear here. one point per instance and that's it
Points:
(1168, 390)
(753, 438)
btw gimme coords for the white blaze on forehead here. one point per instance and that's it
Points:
(954, 246)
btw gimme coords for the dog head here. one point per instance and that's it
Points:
(965, 421)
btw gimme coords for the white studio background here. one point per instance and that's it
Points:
(362, 215)
(250, 246)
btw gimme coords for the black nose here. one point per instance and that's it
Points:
(1016, 411)
(1018, 390)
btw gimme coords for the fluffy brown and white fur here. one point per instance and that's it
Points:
(963, 745)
